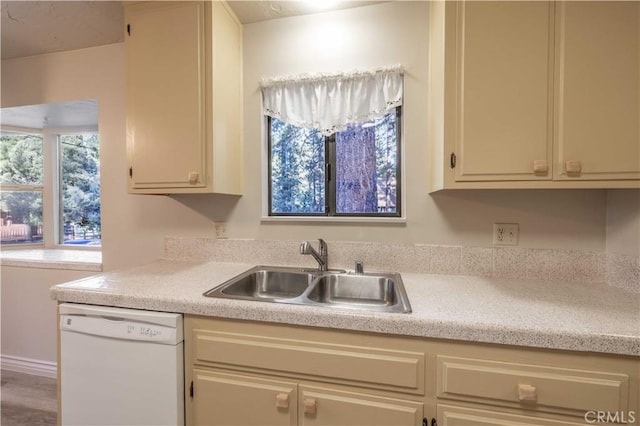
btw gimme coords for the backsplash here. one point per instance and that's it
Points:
(497, 262)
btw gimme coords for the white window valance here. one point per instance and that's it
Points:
(329, 102)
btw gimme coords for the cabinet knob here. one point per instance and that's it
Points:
(310, 406)
(193, 177)
(540, 167)
(282, 400)
(573, 166)
(527, 393)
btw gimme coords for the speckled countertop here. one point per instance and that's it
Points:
(556, 315)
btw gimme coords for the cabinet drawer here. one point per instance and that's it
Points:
(364, 366)
(460, 416)
(531, 386)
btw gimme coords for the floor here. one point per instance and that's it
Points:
(27, 400)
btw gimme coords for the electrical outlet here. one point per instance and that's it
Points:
(505, 234)
(220, 229)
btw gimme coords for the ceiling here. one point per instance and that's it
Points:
(36, 27)
(64, 114)
(255, 11)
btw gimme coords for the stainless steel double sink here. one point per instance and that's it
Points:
(382, 292)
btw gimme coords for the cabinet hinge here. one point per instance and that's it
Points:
(191, 390)
(129, 29)
(130, 172)
(453, 160)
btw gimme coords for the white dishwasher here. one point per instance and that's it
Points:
(120, 366)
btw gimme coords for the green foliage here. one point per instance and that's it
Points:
(80, 178)
(21, 159)
(21, 163)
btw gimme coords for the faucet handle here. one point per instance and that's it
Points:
(359, 268)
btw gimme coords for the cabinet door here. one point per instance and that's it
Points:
(598, 97)
(318, 406)
(165, 49)
(504, 54)
(229, 399)
(449, 415)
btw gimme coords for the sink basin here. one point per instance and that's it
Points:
(355, 289)
(264, 282)
(335, 289)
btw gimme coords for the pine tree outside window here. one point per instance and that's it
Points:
(334, 144)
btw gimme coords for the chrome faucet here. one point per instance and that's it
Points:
(321, 258)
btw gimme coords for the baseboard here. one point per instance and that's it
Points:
(29, 366)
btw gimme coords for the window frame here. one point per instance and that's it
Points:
(58, 233)
(18, 187)
(51, 186)
(330, 187)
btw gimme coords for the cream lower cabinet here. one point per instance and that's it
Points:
(235, 399)
(255, 373)
(472, 390)
(534, 94)
(232, 399)
(247, 373)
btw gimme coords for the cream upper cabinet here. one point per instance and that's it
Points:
(183, 82)
(504, 64)
(520, 93)
(598, 90)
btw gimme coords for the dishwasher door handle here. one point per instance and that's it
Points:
(120, 328)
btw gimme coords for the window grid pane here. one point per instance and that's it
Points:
(21, 217)
(80, 189)
(366, 167)
(21, 175)
(297, 169)
(21, 159)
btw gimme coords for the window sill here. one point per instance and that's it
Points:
(76, 260)
(336, 219)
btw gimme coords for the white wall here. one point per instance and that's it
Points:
(28, 313)
(623, 222)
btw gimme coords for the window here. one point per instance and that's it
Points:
(334, 143)
(79, 189)
(22, 170)
(354, 172)
(75, 189)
